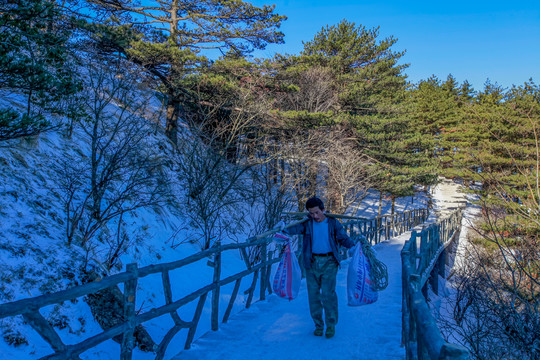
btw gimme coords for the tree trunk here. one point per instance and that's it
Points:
(173, 109)
(312, 178)
(380, 203)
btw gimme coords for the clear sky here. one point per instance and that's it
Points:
(472, 40)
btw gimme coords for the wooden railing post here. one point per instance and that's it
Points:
(415, 330)
(441, 263)
(216, 291)
(130, 291)
(434, 279)
(195, 321)
(262, 286)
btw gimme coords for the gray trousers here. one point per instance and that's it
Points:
(321, 284)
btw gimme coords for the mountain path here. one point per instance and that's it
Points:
(282, 329)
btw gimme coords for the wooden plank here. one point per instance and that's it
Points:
(252, 289)
(167, 291)
(259, 239)
(262, 290)
(162, 348)
(268, 283)
(77, 349)
(215, 293)
(130, 291)
(245, 257)
(231, 301)
(22, 306)
(195, 322)
(45, 330)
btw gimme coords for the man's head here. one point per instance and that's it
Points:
(315, 208)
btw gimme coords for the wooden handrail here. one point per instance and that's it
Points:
(420, 333)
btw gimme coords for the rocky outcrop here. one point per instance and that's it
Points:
(107, 306)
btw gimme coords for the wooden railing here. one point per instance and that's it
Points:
(379, 228)
(373, 229)
(385, 227)
(30, 308)
(423, 259)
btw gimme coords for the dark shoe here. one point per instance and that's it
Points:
(318, 332)
(330, 332)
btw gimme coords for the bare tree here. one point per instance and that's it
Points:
(348, 178)
(296, 166)
(495, 310)
(313, 90)
(212, 187)
(124, 169)
(218, 152)
(270, 201)
(324, 162)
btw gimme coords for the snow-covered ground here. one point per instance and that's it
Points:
(282, 329)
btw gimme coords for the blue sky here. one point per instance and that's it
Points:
(472, 40)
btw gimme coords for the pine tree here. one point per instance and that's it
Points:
(363, 86)
(402, 156)
(437, 113)
(365, 68)
(34, 62)
(506, 149)
(167, 37)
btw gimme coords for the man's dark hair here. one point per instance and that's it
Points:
(314, 202)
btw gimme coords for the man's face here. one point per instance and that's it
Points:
(316, 214)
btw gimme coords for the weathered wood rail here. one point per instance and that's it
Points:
(423, 258)
(373, 229)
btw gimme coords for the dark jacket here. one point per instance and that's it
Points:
(336, 232)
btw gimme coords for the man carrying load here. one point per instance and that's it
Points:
(322, 237)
